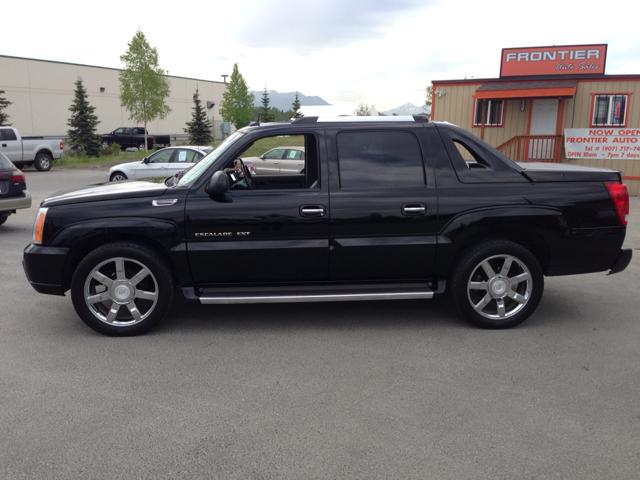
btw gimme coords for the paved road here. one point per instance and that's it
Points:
(399, 389)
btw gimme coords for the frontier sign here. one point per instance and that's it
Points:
(568, 60)
(602, 143)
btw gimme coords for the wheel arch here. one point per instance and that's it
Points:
(534, 228)
(159, 235)
(45, 151)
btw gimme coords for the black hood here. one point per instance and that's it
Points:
(152, 187)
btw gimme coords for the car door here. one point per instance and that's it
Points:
(383, 206)
(182, 159)
(292, 162)
(269, 163)
(261, 236)
(10, 145)
(156, 164)
(121, 137)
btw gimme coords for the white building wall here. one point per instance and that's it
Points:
(42, 92)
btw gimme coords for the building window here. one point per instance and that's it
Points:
(493, 113)
(609, 110)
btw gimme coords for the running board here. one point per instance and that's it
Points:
(317, 294)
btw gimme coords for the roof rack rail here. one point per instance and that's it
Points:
(305, 120)
(350, 118)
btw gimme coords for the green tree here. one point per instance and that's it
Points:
(199, 128)
(265, 114)
(429, 99)
(83, 122)
(363, 110)
(4, 103)
(296, 108)
(143, 84)
(237, 102)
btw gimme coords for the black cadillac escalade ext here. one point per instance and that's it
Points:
(385, 208)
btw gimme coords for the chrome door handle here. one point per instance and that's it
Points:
(414, 209)
(312, 211)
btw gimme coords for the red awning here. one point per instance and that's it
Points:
(500, 90)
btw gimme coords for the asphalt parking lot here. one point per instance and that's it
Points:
(396, 389)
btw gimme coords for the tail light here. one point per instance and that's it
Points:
(18, 176)
(61, 145)
(154, 139)
(620, 197)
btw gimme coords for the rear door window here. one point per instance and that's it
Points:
(379, 159)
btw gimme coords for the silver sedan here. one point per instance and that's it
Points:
(277, 161)
(163, 163)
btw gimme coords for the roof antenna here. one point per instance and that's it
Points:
(256, 123)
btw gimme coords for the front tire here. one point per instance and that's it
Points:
(122, 289)
(497, 284)
(117, 177)
(43, 162)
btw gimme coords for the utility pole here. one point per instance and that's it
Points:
(225, 78)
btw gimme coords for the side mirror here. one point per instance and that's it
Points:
(218, 185)
(145, 160)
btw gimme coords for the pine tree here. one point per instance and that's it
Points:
(237, 102)
(83, 123)
(265, 114)
(143, 84)
(199, 128)
(296, 108)
(4, 103)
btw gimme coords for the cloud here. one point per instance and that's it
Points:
(307, 26)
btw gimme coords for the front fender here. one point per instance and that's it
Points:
(164, 233)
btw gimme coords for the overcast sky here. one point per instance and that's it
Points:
(382, 52)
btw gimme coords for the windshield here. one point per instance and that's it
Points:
(195, 171)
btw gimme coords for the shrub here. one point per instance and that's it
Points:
(113, 149)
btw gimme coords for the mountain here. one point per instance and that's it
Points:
(408, 109)
(283, 101)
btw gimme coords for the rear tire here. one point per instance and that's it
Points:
(497, 284)
(122, 289)
(43, 162)
(141, 146)
(3, 219)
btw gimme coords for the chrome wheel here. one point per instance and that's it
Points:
(121, 292)
(496, 283)
(141, 146)
(499, 287)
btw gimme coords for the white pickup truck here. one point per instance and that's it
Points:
(37, 151)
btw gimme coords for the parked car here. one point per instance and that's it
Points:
(385, 209)
(13, 189)
(277, 161)
(133, 137)
(163, 163)
(37, 151)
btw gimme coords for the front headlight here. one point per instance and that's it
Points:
(38, 225)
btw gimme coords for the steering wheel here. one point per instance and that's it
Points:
(247, 175)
